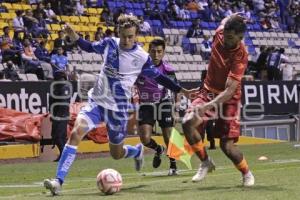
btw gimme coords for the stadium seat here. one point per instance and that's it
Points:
(94, 20)
(23, 77)
(65, 18)
(16, 6)
(84, 20)
(55, 27)
(32, 77)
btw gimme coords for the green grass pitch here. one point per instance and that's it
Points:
(276, 178)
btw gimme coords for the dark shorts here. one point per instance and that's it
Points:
(227, 124)
(162, 112)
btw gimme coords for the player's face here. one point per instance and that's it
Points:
(127, 37)
(156, 53)
(231, 39)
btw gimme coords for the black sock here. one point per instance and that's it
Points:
(153, 145)
(173, 163)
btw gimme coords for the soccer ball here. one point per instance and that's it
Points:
(109, 181)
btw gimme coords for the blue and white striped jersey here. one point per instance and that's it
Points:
(120, 70)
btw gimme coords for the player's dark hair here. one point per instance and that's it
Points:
(236, 24)
(157, 42)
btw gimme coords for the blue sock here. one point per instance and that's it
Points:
(67, 157)
(131, 151)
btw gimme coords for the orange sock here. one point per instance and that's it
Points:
(199, 150)
(243, 166)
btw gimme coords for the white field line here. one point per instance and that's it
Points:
(70, 191)
(135, 175)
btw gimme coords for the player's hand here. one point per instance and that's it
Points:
(190, 94)
(71, 32)
(200, 110)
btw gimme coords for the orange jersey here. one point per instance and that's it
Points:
(225, 63)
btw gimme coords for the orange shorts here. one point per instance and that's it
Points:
(225, 117)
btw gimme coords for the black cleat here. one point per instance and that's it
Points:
(157, 160)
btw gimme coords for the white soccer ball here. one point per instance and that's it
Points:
(109, 181)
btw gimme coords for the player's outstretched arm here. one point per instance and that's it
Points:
(165, 81)
(97, 47)
(227, 94)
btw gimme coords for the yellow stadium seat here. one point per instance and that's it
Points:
(2, 25)
(111, 28)
(55, 27)
(16, 6)
(11, 34)
(84, 29)
(141, 39)
(84, 19)
(92, 28)
(149, 38)
(7, 5)
(26, 7)
(99, 11)
(50, 45)
(94, 20)
(74, 19)
(6, 16)
(92, 11)
(76, 28)
(65, 18)
(146, 47)
(12, 15)
(54, 36)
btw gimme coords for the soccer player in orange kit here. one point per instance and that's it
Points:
(220, 98)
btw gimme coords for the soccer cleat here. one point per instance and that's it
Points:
(53, 185)
(248, 179)
(157, 157)
(139, 159)
(172, 172)
(204, 168)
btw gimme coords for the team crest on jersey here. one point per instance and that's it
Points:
(135, 62)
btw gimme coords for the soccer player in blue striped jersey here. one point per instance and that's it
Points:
(109, 100)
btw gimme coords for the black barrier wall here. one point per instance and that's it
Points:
(258, 98)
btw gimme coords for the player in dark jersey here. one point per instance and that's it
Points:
(156, 105)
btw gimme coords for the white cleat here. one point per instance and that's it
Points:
(139, 160)
(248, 179)
(204, 168)
(53, 185)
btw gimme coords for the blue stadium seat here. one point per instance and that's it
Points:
(212, 25)
(248, 41)
(111, 5)
(161, 6)
(187, 24)
(173, 24)
(128, 5)
(249, 27)
(256, 27)
(150, 22)
(136, 6)
(193, 15)
(180, 24)
(251, 50)
(204, 25)
(156, 23)
(128, 11)
(142, 5)
(119, 4)
(138, 12)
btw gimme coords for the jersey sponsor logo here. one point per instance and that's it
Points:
(112, 72)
